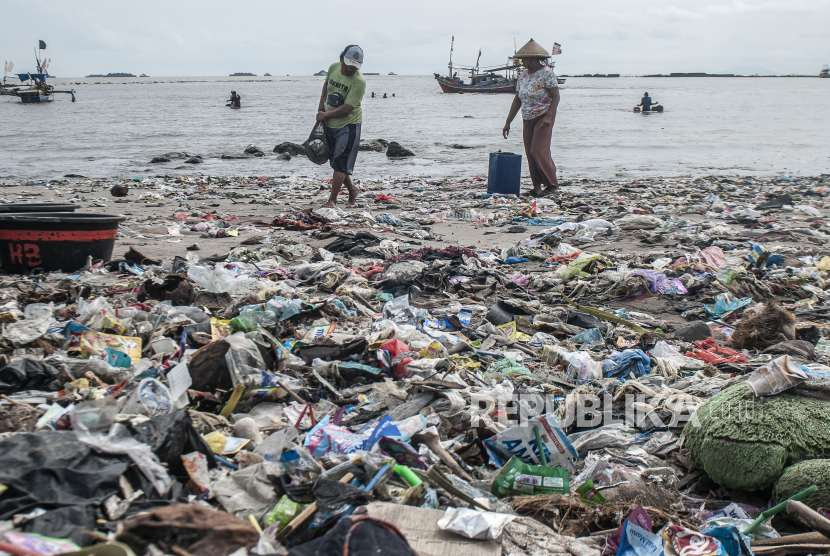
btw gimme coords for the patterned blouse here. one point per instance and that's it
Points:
(532, 91)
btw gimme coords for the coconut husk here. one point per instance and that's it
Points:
(532, 50)
(568, 515)
(769, 327)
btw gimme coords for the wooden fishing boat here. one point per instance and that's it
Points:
(482, 80)
(35, 90)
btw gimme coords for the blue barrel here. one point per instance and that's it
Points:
(505, 173)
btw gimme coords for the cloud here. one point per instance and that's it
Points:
(213, 37)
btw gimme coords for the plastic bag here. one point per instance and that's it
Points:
(520, 441)
(588, 338)
(520, 479)
(285, 510)
(636, 541)
(581, 366)
(776, 376)
(119, 441)
(221, 279)
(244, 361)
(271, 448)
(575, 267)
(150, 397)
(317, 145)
(638, 516)
(474, 524)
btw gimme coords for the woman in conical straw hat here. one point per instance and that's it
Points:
(537, 94)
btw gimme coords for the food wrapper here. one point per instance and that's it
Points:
(637, 541)
(219, 328)
(432, 351)
(319, 332)
(474, 524)
(40, 544)
(639, 517)
(94, 344)
(520, 479)
(590, 495)
(686, 542)
(195, 463)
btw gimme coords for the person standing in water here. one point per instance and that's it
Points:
(235, 100)
(537, 95)
(340, 109)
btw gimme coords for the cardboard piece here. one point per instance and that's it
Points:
(420, 527)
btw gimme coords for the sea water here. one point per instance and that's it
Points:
(710, 126)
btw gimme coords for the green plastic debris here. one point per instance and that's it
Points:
(765, 515)
(517, 478)
(590, 495)
(285, 510)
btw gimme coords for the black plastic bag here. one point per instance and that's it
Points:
(70, 522)
(26, 374)
(53, 469)
(584, 320)
(170, 437)
(317, 145)
(357, 536)
(331, 495)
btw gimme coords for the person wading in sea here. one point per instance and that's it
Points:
(646, 102)
(235, 100)
(340, 110)
(537, 94)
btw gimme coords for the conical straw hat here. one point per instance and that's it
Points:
(532, 50)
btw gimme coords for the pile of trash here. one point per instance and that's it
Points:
(547, 397)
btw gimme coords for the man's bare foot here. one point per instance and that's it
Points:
(329, 205)
(353, 192)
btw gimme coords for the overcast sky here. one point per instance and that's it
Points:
(208, 37)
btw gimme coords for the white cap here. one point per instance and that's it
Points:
(353, 56)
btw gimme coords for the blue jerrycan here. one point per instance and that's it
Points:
(505, 173)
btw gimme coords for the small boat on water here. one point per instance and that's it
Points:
(825, 72)
(392, 73)
(483, 80)
(35, 90)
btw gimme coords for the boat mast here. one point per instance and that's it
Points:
(451, 45)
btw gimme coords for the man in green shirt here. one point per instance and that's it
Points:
(340, 110)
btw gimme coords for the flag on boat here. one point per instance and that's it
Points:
(42, 45)
(9, 67)
(557, 49)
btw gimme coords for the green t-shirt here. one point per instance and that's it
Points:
(342, 90)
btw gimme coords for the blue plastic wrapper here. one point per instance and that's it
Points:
(515, 260)
(117, 358)
(629, 361)
(721, 306)
(588, 338)
(636, 541)
(733, 541)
